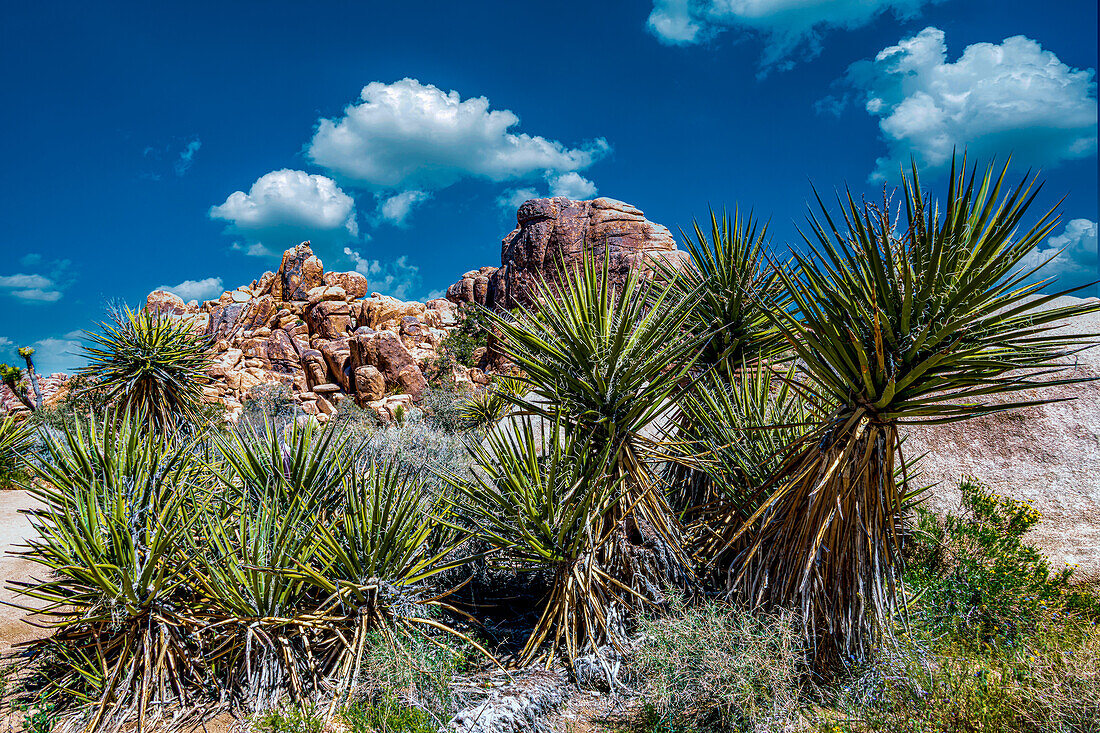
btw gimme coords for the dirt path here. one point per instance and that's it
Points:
(14, 528)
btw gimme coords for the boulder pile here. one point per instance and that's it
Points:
(318, 333)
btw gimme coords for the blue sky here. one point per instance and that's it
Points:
(187, 145)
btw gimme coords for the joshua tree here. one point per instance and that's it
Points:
(28, 356)
(917, 323)
(151, 364)
(13, 377)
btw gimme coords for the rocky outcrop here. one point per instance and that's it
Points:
(552, 235)
(319, 334)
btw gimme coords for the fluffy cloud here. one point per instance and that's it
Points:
(571, 185)
(996, 99)
(398, 278)
(36, 287)
(410, 136)
(786, 26)
(286, 206)
(395, 209)
(1071, 257)
(206, 289)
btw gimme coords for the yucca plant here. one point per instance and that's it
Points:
(735, 435)
(921, 321)
(373, 560)
(485, 408)
(730, 285)
(542, 496)
(278, 487)
(16, 438)
(602, 361)
(151, 363)
(117, 504)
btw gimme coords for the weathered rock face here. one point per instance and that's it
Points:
(559, 231)
(317, 333)
(161, 301)
(300, 271)
(1047, 454)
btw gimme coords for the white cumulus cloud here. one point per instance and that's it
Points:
(572, 185)
(35, 287)
(1070, 256)
(395, 209)
(206, 289)
(996, 99)
(409, 136)
(284, 207)
(787, 27)
(398, 278)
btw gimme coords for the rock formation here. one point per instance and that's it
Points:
(317, 333)
(555, 232)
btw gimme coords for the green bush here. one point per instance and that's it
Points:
(718, 668)
(472, 334)
(975, 576)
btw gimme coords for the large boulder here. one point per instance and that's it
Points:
(353, 283)
(1046, 454)
(300, 272)
(161, 301)
(558, 231)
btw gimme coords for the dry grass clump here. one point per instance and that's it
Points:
(714, 667)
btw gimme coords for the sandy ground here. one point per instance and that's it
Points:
(14, 528)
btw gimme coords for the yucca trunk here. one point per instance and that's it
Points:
(828, 540)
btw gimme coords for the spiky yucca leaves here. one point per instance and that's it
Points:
(915, 323)
(117, 504)
(151, 363)
(279, 486)
(542, 495)
(486, 407)
(373, 559)
(730, 285)
(16, 438)
(735, 436)
(602, 361)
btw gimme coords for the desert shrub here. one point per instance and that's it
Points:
(273, 403)
(83, 398)
(976, 576)
(387, 715)
(417, 445)
(406, 680)
(714, 667)
(1046, 680)
(442, 405)
(472, 334)
(291, 719)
